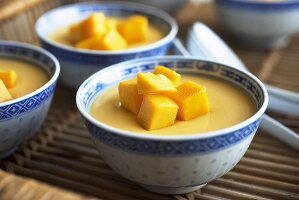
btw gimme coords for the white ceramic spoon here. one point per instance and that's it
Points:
(214, 49)
(203, 42)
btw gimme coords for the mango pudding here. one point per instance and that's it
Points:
(18, 78)
(100, 32)
(164, 102)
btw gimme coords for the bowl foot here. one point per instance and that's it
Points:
(7, 153)
(172, 190)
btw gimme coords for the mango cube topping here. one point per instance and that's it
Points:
(111, 24)
(134, 29)
(170, 74)
(192, 100)
(95, 24)
(75, 33)
(99, 32)
(4, 94)
(158, 103)
(9, 78)
(113, 41)
(89, 43)
(129, 97)
(157, 111)
(149, 83)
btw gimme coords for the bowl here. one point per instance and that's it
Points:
(171, 164)
(78, 64)
(20, 118)
(261, 24)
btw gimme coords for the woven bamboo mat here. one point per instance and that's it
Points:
(61, 153)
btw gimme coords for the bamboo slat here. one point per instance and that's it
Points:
(16, 188)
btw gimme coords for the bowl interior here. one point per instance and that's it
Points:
(34, 55)
(110, 76)
(55, 19)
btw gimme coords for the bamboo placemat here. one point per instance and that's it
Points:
(62, 154)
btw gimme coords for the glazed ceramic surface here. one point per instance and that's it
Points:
(20, 118)
(78, 64)
(171, 164)
(259, 23)
(171, 7)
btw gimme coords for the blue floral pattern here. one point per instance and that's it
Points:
(172, 148)
(18, 108)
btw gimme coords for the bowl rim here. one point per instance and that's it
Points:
(260, 4)
(195, 136)
(138, 6)
(43, 87)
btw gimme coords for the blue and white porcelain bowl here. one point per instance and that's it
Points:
(78, 64)
(171, 164)
(20, 118)
(262, 24)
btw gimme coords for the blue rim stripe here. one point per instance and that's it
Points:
(264, 6)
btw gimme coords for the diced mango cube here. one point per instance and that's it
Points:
(95, 24)
(128, 95)
(192, 100)
(9, 78)
(4, 93)
(111, 24)
(89, 43)
(75, 33)
(149, 83)
(170, 74)
(112, 40)
(134, 29)
(157, 111)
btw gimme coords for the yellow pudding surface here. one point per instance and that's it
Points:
(61, 36)
(229, 105)
(29, 76)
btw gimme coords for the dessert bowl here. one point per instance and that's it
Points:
(262, 24)
(171, 164)
(78, 64)
(20, 118)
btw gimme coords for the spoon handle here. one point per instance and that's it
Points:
(280, 131)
